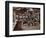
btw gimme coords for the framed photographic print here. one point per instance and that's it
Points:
(24, 18)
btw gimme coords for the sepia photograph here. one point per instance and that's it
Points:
(26, 18)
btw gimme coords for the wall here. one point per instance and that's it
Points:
(2, 19)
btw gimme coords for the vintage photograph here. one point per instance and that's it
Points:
(26, 18)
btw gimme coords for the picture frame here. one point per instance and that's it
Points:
(32, 7)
